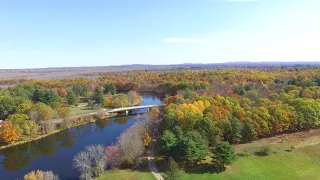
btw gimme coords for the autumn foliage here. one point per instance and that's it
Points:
(147, 139)
(8, 133)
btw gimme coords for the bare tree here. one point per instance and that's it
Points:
(90, 162)
(82, 163)
(131, 145)
(97, 158)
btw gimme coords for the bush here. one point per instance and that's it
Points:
(243, 154)
(264, 151)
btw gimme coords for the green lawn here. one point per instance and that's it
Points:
(81, 109)
(126, 175)
(302, 164)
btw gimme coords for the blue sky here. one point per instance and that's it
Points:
(58, 33)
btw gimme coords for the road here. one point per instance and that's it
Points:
(152, 165)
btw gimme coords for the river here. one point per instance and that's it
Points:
(55, 152)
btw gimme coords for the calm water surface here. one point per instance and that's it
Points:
(56, 152)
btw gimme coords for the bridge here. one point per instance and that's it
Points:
(127, 109)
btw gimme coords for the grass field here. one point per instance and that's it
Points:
(282, 164)
(126, 175)
(81, 109)
(293, 157)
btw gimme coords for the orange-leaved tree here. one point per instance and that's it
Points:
(8, 133)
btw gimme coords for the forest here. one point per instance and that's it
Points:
(266, 101)
(206, 110)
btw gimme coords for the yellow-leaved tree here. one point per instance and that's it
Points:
(8, 133)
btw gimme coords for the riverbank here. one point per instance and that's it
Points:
(90, 115)
(26, 139)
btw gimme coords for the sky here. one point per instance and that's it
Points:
(72, 33)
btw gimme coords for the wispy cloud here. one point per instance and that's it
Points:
(189, 40)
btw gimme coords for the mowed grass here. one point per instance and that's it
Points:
(81, 109)
(126, 175)
(282, 164)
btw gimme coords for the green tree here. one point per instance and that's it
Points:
(72, 98)
(17, 120)
(110, 88)
(98, 96)
(8, 105)
(207, 128)
(79, 90)
(223, 155)
(38, 96)
(248, 133)
(235, 133)
(51, 98)
(193, 147)
(173, 172)
(166, 143)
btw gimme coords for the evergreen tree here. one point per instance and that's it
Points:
(98, 96)
(79, 90)
(173, 173)
(72, 98)
(39, 96)
(235, 134)
(193, 147)
(166, 143)
(223, 155)
(51, 97)
(110, 88)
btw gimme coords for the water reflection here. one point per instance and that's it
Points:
(15, 159)
(121, 120)
(103, 123)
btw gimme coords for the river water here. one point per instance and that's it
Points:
(55, 152)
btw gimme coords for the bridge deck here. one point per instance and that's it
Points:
(133, 107)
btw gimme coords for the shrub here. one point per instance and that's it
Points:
(264, 151)
(243, 154)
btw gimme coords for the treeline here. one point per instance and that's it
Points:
(6, 82)
(222, 81)
(241, 119)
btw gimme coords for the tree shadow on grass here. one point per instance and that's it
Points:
(203, 169)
